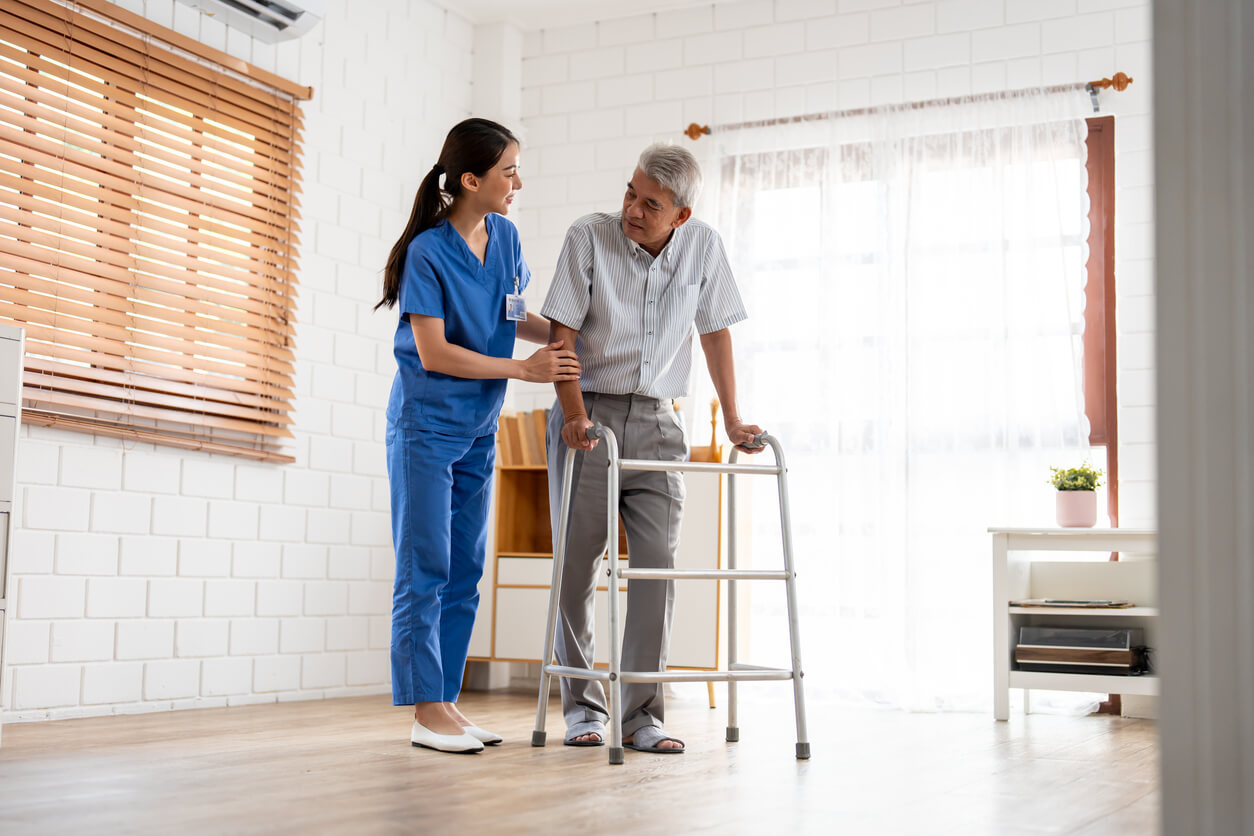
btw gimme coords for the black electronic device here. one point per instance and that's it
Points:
(1118, 652)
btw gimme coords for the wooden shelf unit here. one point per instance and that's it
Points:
(1017, 576)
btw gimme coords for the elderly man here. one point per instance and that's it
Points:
(628, 292)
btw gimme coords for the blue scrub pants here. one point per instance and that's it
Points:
(441, 490)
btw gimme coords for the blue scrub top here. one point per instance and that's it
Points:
(444, 279)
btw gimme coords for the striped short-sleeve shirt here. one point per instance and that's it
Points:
(636, 314)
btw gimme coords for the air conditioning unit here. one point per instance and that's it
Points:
(266, 20)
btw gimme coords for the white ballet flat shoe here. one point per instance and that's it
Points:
(490, 738)
(458, 743)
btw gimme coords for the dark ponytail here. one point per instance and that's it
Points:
(474, 146)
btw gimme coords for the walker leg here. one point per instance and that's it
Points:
(733, 730)
(616, 662)
(614, 686)
(555, 593)
(794, 637)
(538, 734)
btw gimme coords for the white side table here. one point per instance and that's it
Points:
(1016, 575)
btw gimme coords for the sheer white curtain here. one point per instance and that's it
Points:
(914, 281)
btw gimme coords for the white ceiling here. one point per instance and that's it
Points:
(540, 14)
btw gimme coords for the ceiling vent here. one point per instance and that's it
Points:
(266, 20)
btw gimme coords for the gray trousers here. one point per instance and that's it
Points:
(650, 505)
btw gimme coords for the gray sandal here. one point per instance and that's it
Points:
(586, 727)
(647, 738)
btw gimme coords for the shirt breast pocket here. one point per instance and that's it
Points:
(682, 300)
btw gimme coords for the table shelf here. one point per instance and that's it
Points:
(1123, 612)
(1144, 685)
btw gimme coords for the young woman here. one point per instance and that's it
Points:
(456, 276)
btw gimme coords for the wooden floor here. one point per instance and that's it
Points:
(346, 766)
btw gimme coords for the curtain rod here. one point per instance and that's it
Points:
(1119, 81)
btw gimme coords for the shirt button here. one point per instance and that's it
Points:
(650, 333)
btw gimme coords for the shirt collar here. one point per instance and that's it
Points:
(664, 254)
(458, 243)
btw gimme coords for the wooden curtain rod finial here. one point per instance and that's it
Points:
(694, 131)
(1119, 81)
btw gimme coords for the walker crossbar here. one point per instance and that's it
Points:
(745, 666)
(736, 671)
(698, 467)
(577, 673)
(704, 574)
(758, 675)
(741, 673)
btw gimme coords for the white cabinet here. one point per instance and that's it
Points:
(10, 413)
(1019, 575)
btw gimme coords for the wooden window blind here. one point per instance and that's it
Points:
(148, 232)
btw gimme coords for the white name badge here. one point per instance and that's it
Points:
(515, 307)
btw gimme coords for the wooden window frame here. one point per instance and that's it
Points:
(1100, 357)
(148, 226)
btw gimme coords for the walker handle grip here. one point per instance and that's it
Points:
(594, 432)
(756, 444)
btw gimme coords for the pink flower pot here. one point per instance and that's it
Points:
(1077, 509)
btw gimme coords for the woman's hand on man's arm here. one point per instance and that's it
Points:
(549, 364)
(575, 421)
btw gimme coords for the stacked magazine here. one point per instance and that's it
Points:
(520, 438)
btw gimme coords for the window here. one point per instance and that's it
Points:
(955, 245)
(916, 285)
(148, 221)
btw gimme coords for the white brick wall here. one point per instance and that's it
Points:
(276, 673)
(46, 686)
(113, 683)
(82, 641)
(148, 578)
(760, 59)
(222, 677)
(201, 638)
(171, 679)
(145, 639)
(116, 597)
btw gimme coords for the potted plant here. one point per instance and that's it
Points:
(1077, 495)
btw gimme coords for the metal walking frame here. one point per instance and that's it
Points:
(736, 671)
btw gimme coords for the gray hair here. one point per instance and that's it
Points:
(674, 168)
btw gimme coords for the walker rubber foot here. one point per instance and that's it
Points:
(537, 738)
(616, 754)
(733, 734)
(803, 751)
